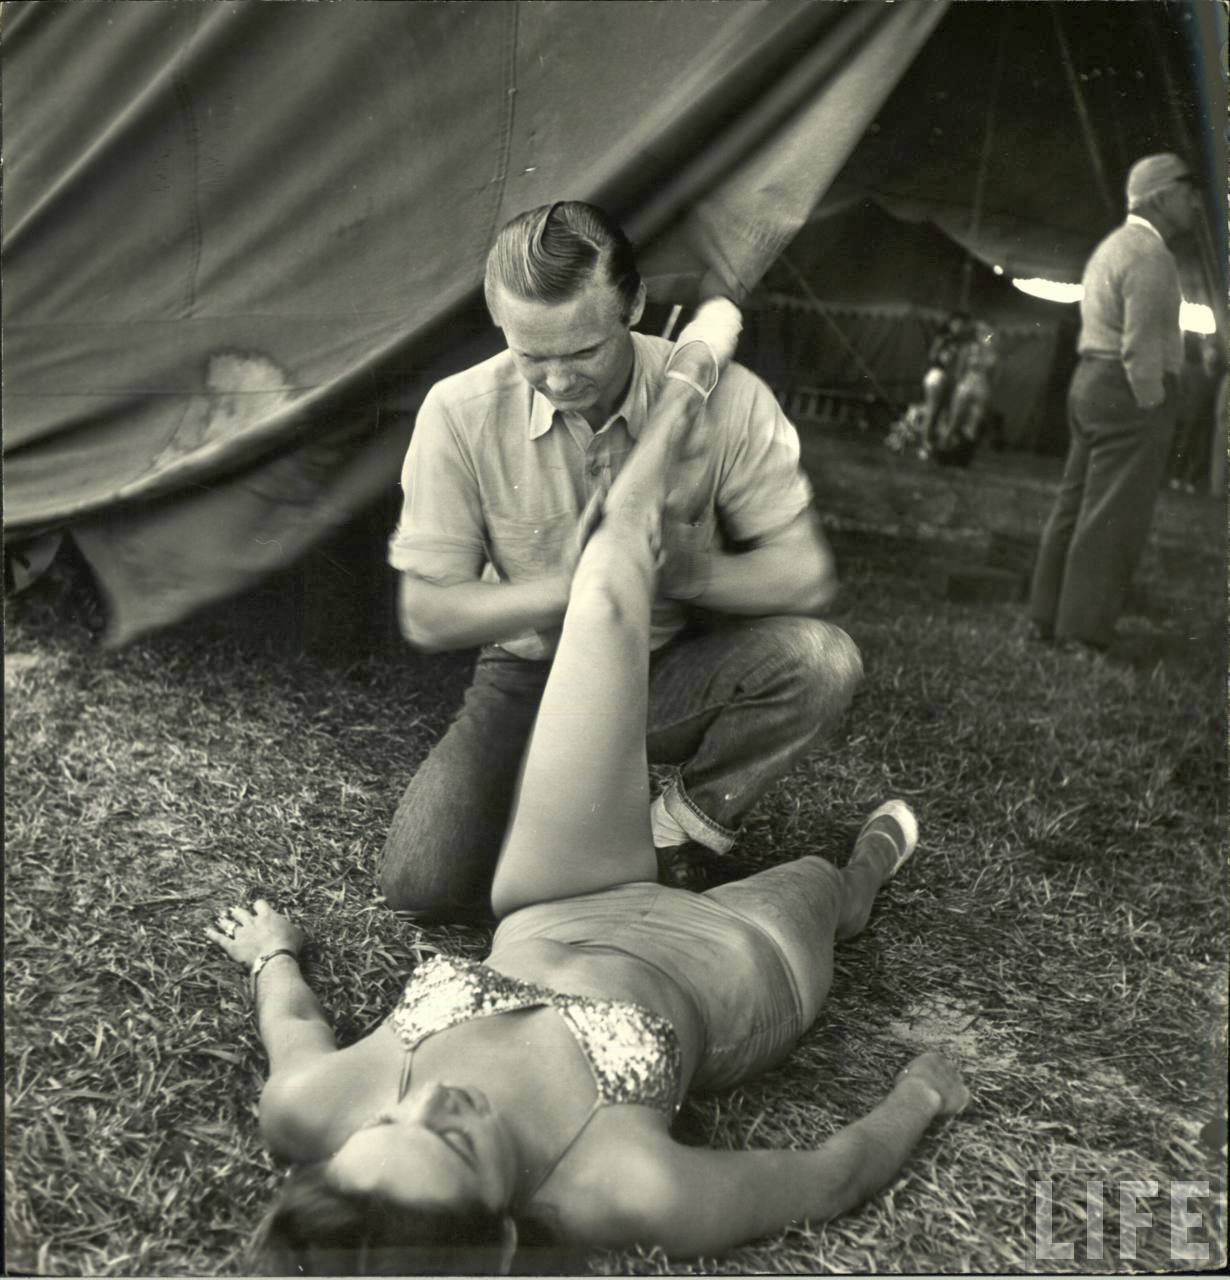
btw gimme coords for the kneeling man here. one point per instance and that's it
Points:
(504, 459)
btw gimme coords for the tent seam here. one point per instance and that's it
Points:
(500, 180)
(192, 136)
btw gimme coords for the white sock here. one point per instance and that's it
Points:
(666, 831)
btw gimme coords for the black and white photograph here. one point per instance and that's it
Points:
(615, 646)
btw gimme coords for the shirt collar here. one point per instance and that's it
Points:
(1135, 220)
(632, 409)
(542, 414)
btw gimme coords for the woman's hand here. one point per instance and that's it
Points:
(246, 935)
(587, 523)
(939, 1075)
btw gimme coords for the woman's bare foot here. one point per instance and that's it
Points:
(706, 345)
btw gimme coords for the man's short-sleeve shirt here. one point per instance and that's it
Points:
(495, 477)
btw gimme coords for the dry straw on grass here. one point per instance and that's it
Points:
(1062, 930)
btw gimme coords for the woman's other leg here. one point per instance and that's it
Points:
(884, 843)
(807, 905)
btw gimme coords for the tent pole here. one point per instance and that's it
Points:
(1177, 124)
(984, 163)
(1082, 114)
(1214, 275)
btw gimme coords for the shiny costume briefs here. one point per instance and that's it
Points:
(754, 955)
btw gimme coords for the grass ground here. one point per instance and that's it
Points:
(1061, 931)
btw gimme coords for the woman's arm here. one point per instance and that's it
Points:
(692, 1200)
(292, 1025)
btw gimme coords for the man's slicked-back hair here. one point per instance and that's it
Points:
(551, 253)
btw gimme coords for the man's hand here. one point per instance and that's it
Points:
(1148, 390)
(684, 560)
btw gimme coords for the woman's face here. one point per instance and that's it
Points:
(441, 1144)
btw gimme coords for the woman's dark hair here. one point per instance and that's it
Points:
(315, 1229)
(549, 254)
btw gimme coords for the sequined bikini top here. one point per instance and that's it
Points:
(633, 1053)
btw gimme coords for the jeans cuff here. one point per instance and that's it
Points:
(699, 826)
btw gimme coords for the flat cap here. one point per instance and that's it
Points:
(1152, 173)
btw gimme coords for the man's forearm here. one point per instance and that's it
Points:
(1150, 325)
(792, 572)
(765, 581)
(760, 583)
(467, 614)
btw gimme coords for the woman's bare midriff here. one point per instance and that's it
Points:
(607, 974)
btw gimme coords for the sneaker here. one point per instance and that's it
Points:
(895, 821)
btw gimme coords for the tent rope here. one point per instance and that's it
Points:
(823, 311)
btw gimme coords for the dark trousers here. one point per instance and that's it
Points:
(735, 705)
(1100, 520)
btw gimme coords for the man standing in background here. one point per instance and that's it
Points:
(1122, 408)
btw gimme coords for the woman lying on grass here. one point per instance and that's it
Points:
(540, 1085)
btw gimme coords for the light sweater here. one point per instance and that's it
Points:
(1130, 307)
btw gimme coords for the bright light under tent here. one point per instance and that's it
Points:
(1195, 317)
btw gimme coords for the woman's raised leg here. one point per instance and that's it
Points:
(581, 819)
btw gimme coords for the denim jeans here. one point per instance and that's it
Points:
(734, 704)
(1099, 523)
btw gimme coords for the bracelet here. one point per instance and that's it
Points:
(260, 962)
